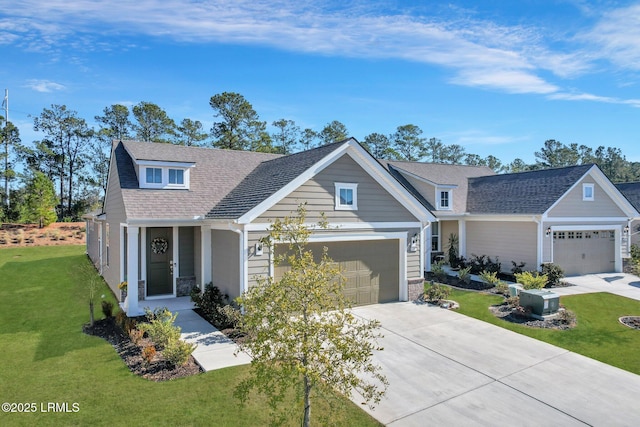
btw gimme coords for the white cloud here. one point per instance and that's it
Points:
(596, 98)
(478, 53)
(44, 85)
(617, 37)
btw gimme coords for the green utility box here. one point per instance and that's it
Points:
(541, 302)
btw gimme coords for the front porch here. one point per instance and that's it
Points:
(172, 304)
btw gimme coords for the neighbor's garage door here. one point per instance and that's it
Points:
(370, 268)
(584, 252)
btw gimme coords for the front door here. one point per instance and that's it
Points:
(159, 261)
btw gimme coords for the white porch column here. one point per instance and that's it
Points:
(205, 254)
(462, 238)
(132, 271)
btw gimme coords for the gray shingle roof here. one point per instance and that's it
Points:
(266, 179)
(521, 193)
(631, 190)
(217, 172)
(443, 174)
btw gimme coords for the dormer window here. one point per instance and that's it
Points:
(176, 176)
(443, 199)
(154, 176)
(164, 175)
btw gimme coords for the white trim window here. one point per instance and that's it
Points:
(588, 192)
(176, 177)
(444, 200)
(164, 177)
(346, 196)
(154, 175)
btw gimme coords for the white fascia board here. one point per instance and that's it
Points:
(165, 163)
(578, 219)
(263, 226)
(502, 218)
(364, 160)
(162, 222)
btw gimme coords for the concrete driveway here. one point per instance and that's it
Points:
(448, 369)
(622, 284)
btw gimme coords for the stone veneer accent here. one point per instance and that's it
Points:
(416, 287)
(184, 285)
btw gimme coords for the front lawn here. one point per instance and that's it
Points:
(46, 359)
(598, 334)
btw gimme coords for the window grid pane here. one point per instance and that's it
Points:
(346, 196)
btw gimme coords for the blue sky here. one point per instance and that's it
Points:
(497, 77)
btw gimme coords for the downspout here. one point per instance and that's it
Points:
(540, 239)
(242, 237)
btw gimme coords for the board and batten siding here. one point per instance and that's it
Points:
(572, 205)
(509, 241)
(375, 204)
(225, 262)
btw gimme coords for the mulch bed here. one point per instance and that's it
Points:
(131, 354)
(631, 321)
(506, 312)
(457, 283)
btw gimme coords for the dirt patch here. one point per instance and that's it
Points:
(631, 321)
(131, 354)
(56, 234)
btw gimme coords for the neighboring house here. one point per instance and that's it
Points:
(631, 191)
(573, 216)
(175, 217)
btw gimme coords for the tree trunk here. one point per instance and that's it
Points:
(91, 320)
(307, 402)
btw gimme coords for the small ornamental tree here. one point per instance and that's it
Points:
(301, 333)
(39, 206)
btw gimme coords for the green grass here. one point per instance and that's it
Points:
(45, 357)
(598, 334)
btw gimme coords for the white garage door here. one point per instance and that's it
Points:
(584, 252)
(370, 268)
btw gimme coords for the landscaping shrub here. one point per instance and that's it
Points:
(107, 308)
(532, 280)
(517, 267)
(160, 328)
(489, 277)
(502, 288)
(211, 303)
(464, 274)
(567, 317)
(455, 261)
(177, 352)
(148, 353)
(435, 292)
(438, 270)
(554, 274)
(136, 335)
(512, 302)
(480, 263)
(126, 323)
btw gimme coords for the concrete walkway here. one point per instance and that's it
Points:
(215, 350)
(448, 369)
(622, 284)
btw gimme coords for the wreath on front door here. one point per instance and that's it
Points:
(159, 245)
